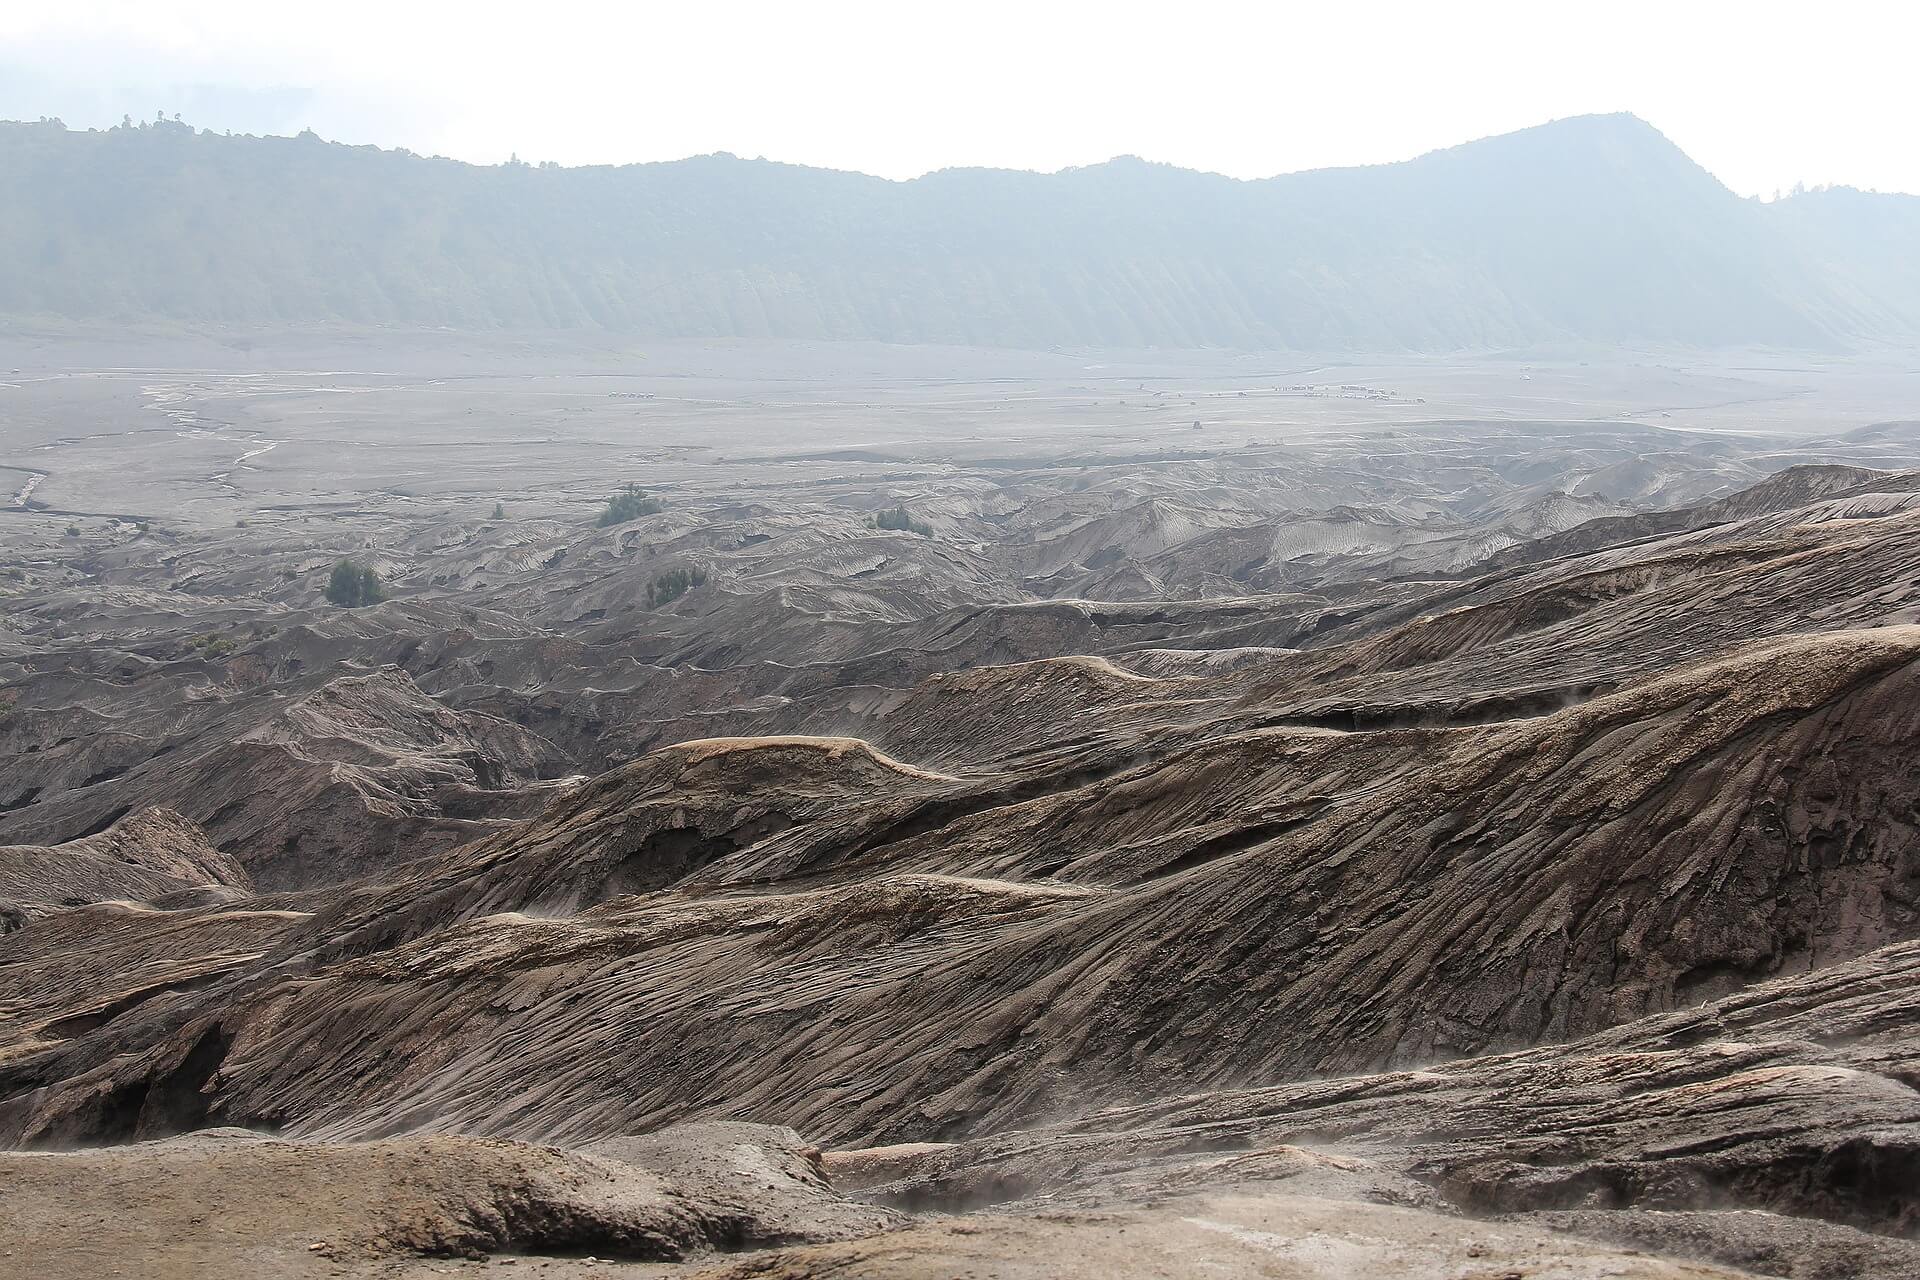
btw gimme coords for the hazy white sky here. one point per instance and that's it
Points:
(1763, 93)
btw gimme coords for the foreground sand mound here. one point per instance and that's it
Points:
(232, 1203)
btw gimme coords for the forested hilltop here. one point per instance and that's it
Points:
(1591, 229)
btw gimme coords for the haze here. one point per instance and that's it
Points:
(829, 706)
(1760, 96)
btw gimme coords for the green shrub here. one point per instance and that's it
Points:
(630, 504)
(674, 583)
(899, 519)
(212, 645)
(353, 585)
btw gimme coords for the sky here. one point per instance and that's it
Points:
(1764, 94)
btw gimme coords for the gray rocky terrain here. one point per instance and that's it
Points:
(1427, 819)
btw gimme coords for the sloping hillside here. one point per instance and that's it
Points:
(1595, 228)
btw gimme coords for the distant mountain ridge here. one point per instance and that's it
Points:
(1593, 229)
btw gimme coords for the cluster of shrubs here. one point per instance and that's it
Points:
(354, 585)
(212, 645)
(898, 518)
(630, 504)
(674, 583)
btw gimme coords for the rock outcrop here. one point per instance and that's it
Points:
(152, 856)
